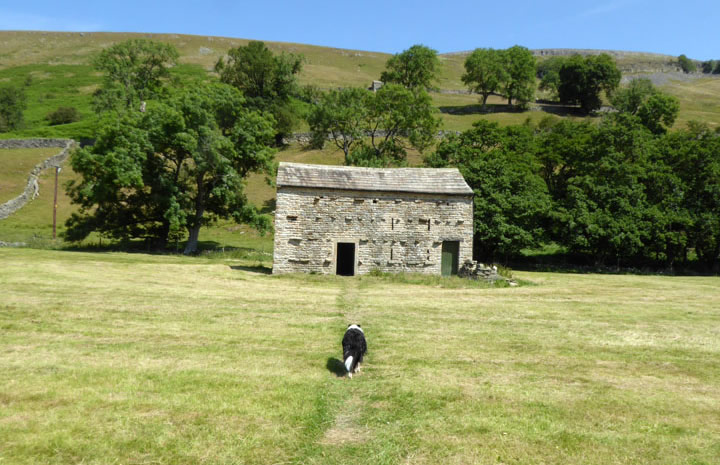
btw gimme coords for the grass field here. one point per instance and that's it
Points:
(136, 359)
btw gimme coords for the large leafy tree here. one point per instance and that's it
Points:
(12, 104)
(342, 115)
(603, 212)
(582, 79)
(655, 109)
(693, 156)
(376, 128)
(414, 68)
(548, 71)
(177, 167)
(396, 119)
(519, 82)
(484, 72)
(134, 71)
(268, 81)
(511, 199)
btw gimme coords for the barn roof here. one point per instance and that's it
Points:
(420, 180)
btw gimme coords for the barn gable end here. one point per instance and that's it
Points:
(347, 220)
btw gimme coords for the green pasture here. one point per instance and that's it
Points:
(136, 359)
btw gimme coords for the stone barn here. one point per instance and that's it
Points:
(348, 220)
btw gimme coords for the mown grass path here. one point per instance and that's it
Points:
(131, 358)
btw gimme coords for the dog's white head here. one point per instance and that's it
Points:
(355, 327)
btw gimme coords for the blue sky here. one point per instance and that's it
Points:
(691, 27)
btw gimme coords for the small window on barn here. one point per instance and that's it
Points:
(292, 217)
(375, 200)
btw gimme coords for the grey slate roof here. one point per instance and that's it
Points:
(420, 180)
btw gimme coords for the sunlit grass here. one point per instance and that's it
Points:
(132, 358)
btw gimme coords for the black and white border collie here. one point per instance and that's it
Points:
(354, 347)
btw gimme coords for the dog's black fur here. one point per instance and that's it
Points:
(354, 346)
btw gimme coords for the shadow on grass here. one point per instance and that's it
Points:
(544, 106)
(336, 367)
(477, 109)
(562, 261)
(268, 207)
(558, 109)
(253, 269)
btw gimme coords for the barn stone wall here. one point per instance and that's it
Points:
(392, 232)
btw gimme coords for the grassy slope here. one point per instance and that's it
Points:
(59, 65)
(17, 165)
(156, 359)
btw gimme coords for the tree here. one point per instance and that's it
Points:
(548, 71)
(343, 115)
(686, 64)
(511, 200)
(135, 70)
(397, 119)
(179, 166)
(63, 115)
(519, 82)
(708, 66)
(268, 81)
(694, 156)
(656, 110)
(604, 213)
(414, 68)
(484, 72)
(12, 104)
(583, 78)
(375, 128)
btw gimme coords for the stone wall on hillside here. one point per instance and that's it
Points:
(31, 188)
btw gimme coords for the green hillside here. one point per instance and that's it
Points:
(54, 69)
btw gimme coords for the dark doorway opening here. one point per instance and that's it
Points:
(345, 259)
(450, 253)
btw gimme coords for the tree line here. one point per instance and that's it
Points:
(613, 194)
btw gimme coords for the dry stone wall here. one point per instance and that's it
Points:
(392, 232)
(31, 188)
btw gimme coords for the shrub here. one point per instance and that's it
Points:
(63, 115)
(686, 64)
(12, 105)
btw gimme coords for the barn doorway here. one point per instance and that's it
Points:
(345, 259)
(449, 260)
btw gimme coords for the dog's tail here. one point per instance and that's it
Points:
(349, 363)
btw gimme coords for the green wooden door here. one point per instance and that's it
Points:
(449, 262)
